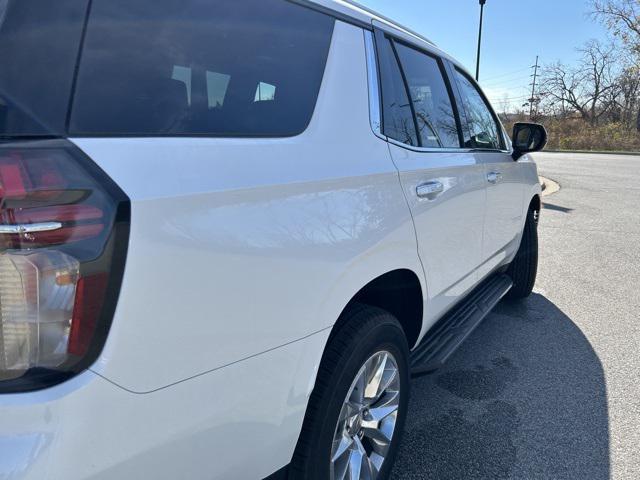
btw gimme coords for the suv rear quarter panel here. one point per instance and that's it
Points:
(240, 246)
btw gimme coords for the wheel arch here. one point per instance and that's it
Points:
(398, 292)
(536, 203)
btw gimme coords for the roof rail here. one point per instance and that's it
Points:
(372, 12)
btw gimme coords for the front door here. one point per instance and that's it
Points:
(504, 216)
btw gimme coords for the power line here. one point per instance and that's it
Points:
(507, 73)
(501, 99)
(505, 82)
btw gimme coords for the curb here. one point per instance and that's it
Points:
(549, 186)
(593, 152)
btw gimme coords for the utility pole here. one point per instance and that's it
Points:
(532, 100)
(482, 2)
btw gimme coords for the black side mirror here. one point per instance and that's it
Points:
(527, 138)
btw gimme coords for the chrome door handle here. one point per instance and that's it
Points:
(494, 177)
(430, 189)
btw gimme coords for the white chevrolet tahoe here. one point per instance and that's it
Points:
(231, 231)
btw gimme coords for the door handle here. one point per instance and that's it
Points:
(494, 177)
(430, 189)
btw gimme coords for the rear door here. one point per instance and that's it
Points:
(484, 134)
(443, 183)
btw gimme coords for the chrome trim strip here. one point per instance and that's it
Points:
(443, 150)
(430, 150)
(375, 113)
(29, 228)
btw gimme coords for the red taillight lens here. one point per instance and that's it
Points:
(63, 234)
(43, 186)
(86, 312)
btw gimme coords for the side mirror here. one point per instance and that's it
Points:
(527, 138)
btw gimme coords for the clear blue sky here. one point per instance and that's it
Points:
(514, 32)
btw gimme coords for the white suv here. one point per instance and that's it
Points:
(231, 231)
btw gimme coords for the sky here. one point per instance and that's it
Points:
(514, 32)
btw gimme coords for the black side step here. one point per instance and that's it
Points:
(449, 332)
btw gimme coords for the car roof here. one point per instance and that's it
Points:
(359, 13)
(365, 13)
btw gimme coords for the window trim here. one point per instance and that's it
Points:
(374, 85)
(379, 37)
(496, 120)
(407, 90)
(445, 78)
(375, 108)
(375, 104)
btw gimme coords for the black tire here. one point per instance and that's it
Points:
(364, 331)
(524, 267)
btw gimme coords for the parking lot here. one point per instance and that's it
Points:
(549, 388)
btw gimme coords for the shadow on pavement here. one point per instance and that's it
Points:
(524, 397)
(557, 208)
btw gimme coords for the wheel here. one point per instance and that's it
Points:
(524, 267)
(357, 410)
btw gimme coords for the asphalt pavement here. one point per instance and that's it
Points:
(549, 388)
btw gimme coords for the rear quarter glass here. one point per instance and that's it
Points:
(194, 67)
(39, 43)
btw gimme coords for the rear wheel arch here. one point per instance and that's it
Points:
(398, 292)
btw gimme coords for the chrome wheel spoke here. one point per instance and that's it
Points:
(355, 464)
(376, 461)
(374, 433)
(347, 411)
(390, 376)
(388, 398)
(341, 471)
(356, 399)
(366, 472)
(378, 414)
(374, 376)
(341, 447)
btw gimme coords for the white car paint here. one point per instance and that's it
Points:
(463, 200)
(89, 428)
(242, 255)
(257, 243)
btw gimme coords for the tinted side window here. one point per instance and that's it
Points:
(197, 67)
(39, 42)
(434, 112)
(397, 117)
(483, 131)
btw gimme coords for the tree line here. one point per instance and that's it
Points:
(595, 103)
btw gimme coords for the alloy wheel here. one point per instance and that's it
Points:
(367, 420)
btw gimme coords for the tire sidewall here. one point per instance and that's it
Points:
(384, 336)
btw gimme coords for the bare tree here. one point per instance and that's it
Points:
(587, 88)
(622, 17)
(505, 105)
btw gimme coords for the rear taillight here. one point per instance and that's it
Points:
(63, 234)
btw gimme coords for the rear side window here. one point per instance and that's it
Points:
(482, 131)
(39, 43)
(397, 116)
(199, 67)
(437, 125)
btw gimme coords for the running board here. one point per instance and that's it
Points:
(449, 332)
